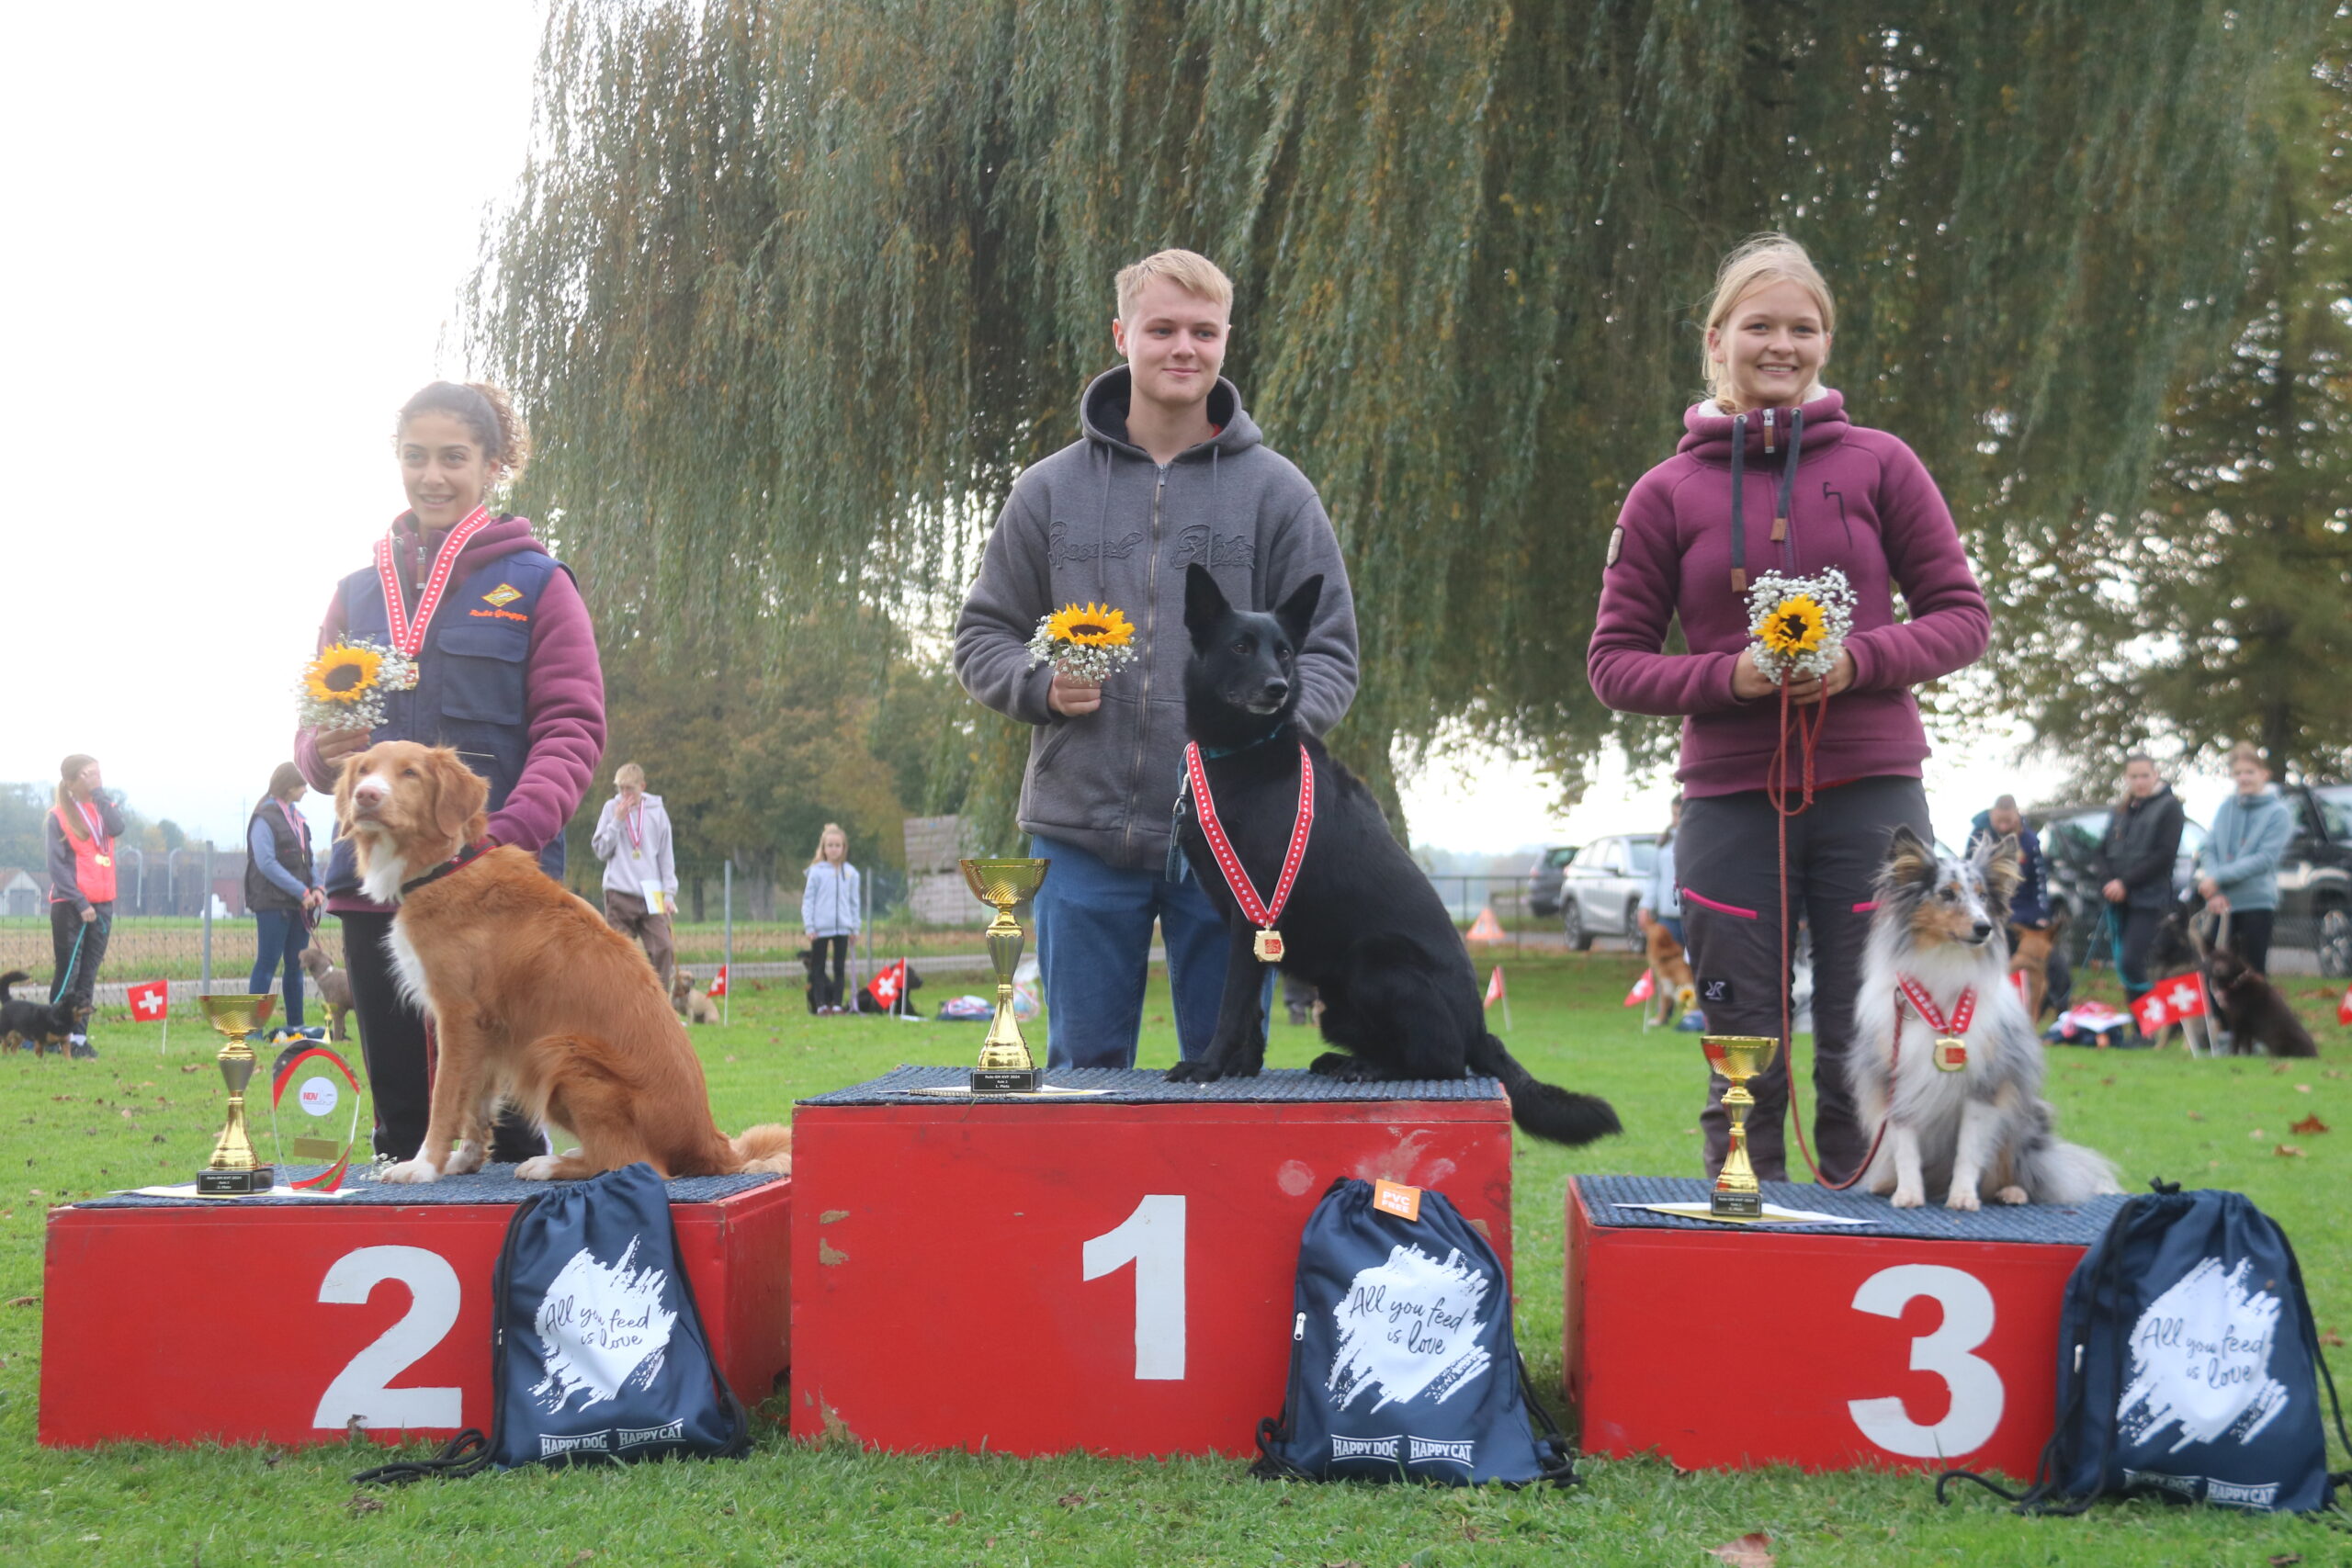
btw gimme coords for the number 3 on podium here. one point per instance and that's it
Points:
(1152, 1239)
(1948, 1352)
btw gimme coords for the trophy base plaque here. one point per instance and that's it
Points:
(1008, 1080)
(235, 1183)
(1736, 1205)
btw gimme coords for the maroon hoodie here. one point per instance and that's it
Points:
(1860, 501)
(563, 698)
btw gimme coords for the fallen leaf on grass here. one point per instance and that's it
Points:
(2257, 1134)
(362, 1504)
(2332, 1339)
(2311, 1123)
(2197, 1116)
(731, 1058)
(24, 1300)
(1072, 1499)
(954, 1518)
(2288, 1151)
(2107, 1080)
(2281, 1071)
(1753, 1549)
(2285, 1559)
(193, 1067)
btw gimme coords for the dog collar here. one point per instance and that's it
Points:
(459, 862)
(1213, 752)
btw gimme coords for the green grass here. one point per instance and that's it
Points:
(73, 1129)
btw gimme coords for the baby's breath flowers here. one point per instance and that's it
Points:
(1085, 642)
(1799, 624)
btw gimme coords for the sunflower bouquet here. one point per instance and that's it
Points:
(343, 687)
(1798, 625)
(1085, 642)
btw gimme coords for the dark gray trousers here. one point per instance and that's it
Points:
(1726, 860)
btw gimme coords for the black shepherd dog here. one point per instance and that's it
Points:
(2253, 1010)
(36, 1024)
(1362, 925)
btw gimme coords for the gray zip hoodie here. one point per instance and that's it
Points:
(1098, 520)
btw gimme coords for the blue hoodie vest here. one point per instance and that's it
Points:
(469, 688)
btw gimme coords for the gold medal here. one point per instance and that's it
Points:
(1270, 946)
(1951, 1055)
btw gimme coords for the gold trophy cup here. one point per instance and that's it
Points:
(1005, 1066)
(1738, 1058)
(233, 1171)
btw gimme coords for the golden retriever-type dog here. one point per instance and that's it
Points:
(534, 999)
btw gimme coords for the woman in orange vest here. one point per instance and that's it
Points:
(81, 830)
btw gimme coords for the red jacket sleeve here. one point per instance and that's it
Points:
(1626, 662)
(1949, 625)
(564, 710)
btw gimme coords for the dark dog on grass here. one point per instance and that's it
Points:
(1362, 925)
(812, 960)
(41, 1025)
(2254, 1012)
(903, 1008)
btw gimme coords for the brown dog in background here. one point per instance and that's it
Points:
(334, 987)
(535, 1000)
(694, 1006)
(1673, 990)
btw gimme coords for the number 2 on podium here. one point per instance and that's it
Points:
(1152, 1239)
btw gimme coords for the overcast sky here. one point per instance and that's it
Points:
(237, 237)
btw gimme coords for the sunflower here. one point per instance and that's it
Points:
(1794, 626)
(1092, 626)
(342, 674)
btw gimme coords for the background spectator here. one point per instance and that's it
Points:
(281, 888)
(81, 830)
(2030, 906)
(829, 911)
(2134, 866)
(2237, 871)
(1662, 900)
(632, 838)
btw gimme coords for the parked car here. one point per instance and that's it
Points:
(1602, 886)
(1543, 882)
(2315, 876)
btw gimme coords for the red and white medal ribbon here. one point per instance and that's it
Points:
(101, 850)
(633, 820)
(408, 637)
(1952, 1050)
(1260, 912)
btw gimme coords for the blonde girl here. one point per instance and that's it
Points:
(829, 911)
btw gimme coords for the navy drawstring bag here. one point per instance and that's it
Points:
(2187, 1366)
(597, 1353)
(1403, 1366)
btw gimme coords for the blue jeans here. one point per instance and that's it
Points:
(280, 934)
(1094, 952)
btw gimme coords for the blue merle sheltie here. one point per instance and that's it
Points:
(1944, 1056)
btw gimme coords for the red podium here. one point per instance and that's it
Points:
(1110, 1273)
(1920, 1340)
(279, 1320)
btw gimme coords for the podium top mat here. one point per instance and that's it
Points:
(491, 1184)
(2047, 1223)
(1125, 1086)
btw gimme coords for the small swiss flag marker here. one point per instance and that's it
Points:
(150, 1001)
(719, 985)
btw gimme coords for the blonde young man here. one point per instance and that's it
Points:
(1168, 471)
(632, 838)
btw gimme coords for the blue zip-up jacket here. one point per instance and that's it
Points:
(2249, 837)
(829, 900)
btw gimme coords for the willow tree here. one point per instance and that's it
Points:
(2215, 609)
(793, 288)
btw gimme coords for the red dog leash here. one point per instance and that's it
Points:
(1260, 912)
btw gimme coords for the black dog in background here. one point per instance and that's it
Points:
(38, 1024)
(812, 960)
(905, 1006)
(2252, 1009)
(1362, 925)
